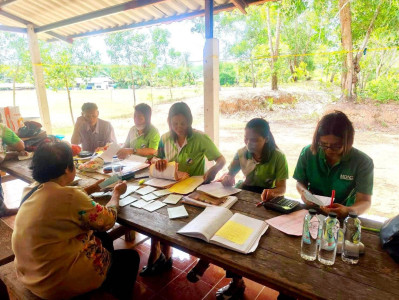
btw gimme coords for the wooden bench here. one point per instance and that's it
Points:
(6, 253)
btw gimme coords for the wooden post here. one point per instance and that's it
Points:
(211, 77)
(39, 79)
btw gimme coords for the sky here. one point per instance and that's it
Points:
(182, 39)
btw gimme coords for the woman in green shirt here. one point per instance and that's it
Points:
(188, 147)
(143, 137)
(331, 163)
(266, 170)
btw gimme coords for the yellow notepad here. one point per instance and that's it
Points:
(234, 232)
(186, 186)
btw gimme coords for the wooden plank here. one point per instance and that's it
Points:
(6, 253)
(240, 4)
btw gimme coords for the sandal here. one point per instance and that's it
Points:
(231, 291)
(156, 267)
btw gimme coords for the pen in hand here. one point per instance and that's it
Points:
(263, 201)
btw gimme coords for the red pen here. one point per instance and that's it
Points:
(332, 198)
(264, 201)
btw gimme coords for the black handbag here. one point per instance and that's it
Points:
(389, 236)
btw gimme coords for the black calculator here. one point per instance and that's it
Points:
(281, 204)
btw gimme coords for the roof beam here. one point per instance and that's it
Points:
(12, 29)
(7, 2)
(240, 4)
(98, 14)
(26, 23)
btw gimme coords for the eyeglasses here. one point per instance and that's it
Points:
(334, 147)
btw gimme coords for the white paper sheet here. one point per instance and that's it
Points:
(161, 193)
(127, 200)
(136, 158)
(317, 199)
(291, 224)
(130, 189)
(217, 189)
(140, 203)
(177, 212)
(153, 206)
(108, 154)
(160, 183)
(172, 199)
(145, 190)
(149, 197)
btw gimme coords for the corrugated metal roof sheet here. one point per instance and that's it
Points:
(68, 19)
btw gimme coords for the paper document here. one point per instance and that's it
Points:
(186, 186)
(129, 190)
(145, 190)
(234, 232)
(108, 154)
(161, 193)
(140, 203)
(317, 199)
(109, 181)
(172, 199)
(149, 197)
(177, 212)
(218, 190)
(136, 158)
(153, 206)
(291, 224)
(160, 183)
(127, 200)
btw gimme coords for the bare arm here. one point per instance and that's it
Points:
(361, 205)
(119, 189)
(211, 173)
(301, 188)
(279, 190)
(18, 146)
(75, 135)
(125, 152)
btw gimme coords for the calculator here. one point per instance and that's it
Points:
(281, 204)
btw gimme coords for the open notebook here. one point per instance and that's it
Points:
(219, 226)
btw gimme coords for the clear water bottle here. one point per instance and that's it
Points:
(309, 236)
(352, 234)
(329, 239)
(116, 166)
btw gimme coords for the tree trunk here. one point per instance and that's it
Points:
(253, 74)
(273, 52)
(274, 82)
(332, 77)
(13, 90)
(346, 39)
(69, 99)
(133, 87)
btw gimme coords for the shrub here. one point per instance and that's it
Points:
(384, 88)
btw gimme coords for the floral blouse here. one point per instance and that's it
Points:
(56, 254)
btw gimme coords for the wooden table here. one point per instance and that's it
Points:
(6, 253)
(276, 262)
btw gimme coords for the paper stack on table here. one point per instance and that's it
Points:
(177, 212)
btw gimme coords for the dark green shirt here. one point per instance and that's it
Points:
(352, 174)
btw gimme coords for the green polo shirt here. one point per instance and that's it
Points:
(191, 157)
(259, 174)
(352, 174)
(136, 141)
(7, 137)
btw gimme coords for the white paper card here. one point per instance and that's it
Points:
(127, 200)
(140, 203)
(136, 158)
(177, 212)
(154, 206)
(130, 189)
(172, 199)
(161, 193)
(317, 199)
(218, 190)
(149, 197)
(145, 190)
(160, 183)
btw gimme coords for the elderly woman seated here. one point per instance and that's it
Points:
(60, 244)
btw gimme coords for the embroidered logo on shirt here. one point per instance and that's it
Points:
(346, 177)
(143, 146)
(189, 161)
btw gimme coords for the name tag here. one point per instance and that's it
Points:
(346, 177)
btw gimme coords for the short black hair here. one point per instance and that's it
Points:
(261, 127)
(334, 123)
(89, 106)
(145, 109)
(51, 160)
(180, 108)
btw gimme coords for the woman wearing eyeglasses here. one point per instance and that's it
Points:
(331, 163)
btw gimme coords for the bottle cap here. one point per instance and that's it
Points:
(332, 214)
(352, 214)
(115, 156)
(312, 211)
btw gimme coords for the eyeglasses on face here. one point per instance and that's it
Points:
(333, 147)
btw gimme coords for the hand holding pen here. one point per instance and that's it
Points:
(264, 196)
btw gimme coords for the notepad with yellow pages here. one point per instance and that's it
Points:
(219, 226)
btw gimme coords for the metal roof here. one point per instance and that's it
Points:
(69, 19)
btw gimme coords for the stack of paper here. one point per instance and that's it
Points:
(177, 212)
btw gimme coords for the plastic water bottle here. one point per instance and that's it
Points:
(116, 166)
(309, 236)
(352, 234)
(329, 239)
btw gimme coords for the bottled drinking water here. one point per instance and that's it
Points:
(309, 236)
(352, 233)
(116, 166)
(329, 239)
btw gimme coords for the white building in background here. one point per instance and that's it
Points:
(96, 83)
